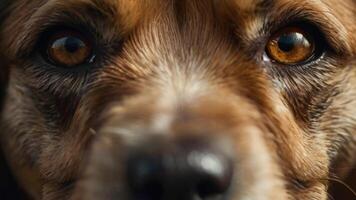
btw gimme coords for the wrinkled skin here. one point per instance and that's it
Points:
(168, 70)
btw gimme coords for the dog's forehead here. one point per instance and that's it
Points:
(246, 5)
(133, 7)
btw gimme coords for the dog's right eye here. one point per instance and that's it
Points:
(68, 49)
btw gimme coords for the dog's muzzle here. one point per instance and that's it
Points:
(144, 152)
(158, 168)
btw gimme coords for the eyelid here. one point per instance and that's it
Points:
(34, 38)
(40, 23)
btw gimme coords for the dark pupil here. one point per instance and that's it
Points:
(72, 44)
(288, 42)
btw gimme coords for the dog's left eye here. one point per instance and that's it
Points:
(68, 49)
(291, 45)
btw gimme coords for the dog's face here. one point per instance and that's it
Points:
(135, 99)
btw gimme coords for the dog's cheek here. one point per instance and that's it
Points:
(301, 155)
(104, 175)
(23, 140)
(3, 79)
(43, 153)
(339, 133)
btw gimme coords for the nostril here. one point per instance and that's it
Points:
(144, 177)
(207, 188)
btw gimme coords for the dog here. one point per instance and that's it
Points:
(179, 99)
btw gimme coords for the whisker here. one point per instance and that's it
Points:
(353, 192)
(92, 131)
(330, 197)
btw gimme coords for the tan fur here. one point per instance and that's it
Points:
(176, 69)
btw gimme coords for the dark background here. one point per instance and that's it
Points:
(8, 188)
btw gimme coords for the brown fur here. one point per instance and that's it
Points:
(196, 65)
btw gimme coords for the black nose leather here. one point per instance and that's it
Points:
(189, 171)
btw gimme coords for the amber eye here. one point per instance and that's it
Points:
(291, 45)
(69, 49)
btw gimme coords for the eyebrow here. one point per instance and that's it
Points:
(244, 7)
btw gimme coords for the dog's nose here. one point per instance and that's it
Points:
(191, 171)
